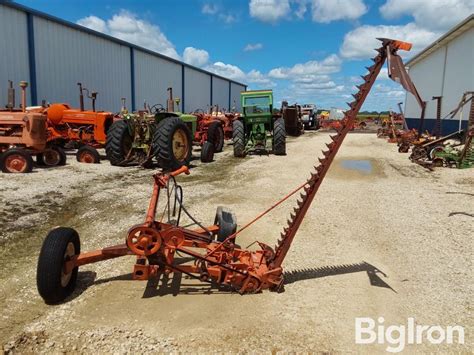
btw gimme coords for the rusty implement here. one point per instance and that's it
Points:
(213, 252)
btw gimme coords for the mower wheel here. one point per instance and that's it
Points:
(436, 149)
(215, 135)
(227, 223)
(207, 152)
(119, 142)
(16, 161)
(52, 156)
(238, 137)
(172, 143)
(61, 245)
(279, 137)
(87, 154)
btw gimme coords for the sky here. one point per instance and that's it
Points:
(307, 51)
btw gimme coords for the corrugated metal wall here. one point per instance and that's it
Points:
(59, 54)
(235, 90)
(153, 76)
(447, 72)
(13, 52)
(220, 92)
(65, 57)
(197, 90)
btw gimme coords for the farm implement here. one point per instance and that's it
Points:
(81, 129)
(22, 134)
(215, 255)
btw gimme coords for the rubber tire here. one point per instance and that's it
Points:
(62, 157)
(279, 137)
(50, 263)
(215, 135)
(227, 223)
(207, 152)
(116, 139)
(238, 137)
(437, 148)
(163, 145)
(91, 150)
(24, 154)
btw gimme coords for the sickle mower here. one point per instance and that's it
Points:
(215, 255)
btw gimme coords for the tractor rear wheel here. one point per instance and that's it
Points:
(54, 283)
(207, 152)
(238, 137)
(52, 156)
(172, 143)
(87, 154)
(279, 137)
(227, 223)
(16, 161)
(215, 135)
(119, 142)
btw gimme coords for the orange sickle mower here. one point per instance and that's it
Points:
(215, 255)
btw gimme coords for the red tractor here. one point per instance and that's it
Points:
(22, 134)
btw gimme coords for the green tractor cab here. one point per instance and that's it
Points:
(258, 129)
(154, 133)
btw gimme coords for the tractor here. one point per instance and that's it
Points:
(68, 128)
(259, 129)
(152, 133)
(213, 129)
(308, 115)
(293, 118)
(22, 134)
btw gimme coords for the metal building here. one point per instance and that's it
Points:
(53, 55)
(446, 69)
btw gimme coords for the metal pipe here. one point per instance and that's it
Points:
(81, 97)
(170, 103)
(23, 85)
(11, 96)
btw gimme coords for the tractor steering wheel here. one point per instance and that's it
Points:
(157, 108)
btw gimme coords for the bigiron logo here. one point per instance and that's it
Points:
(397, 336)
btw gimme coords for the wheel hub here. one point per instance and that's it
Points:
(15, 163)
(180, 145)
(51, 157)
(68, 254)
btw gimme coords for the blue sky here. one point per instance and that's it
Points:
(307, 51)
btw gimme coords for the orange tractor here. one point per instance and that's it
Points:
(69, 128)
(22, 134)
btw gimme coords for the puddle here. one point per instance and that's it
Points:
(363, 166)
(356, 169)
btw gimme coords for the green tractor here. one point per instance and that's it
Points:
(154, 133)
(258, 129)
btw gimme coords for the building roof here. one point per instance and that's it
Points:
(454, 32)
(75, 26)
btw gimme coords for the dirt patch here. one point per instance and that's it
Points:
(372, 244)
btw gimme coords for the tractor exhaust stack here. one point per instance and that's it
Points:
(11, 96)
(81, 97)
(23, 85)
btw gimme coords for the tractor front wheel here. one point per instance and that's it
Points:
(207, 152)
(172, 143)
(53, 281)
(119, 142)
(16, 161)
(87, 154)
(52, 156)
(215, 135)
(279, 137)
(238, 137)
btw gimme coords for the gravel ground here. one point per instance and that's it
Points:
(384, 238)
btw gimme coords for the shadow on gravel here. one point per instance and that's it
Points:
(315, 273)
(461, 213)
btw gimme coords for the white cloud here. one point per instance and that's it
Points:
(196, 57)
(209, 9)
(331, 64)
(128, 27)
(226, 70)
(269, 10)
(253, 47)
(325, 11)
(359, 43)
(94, 23)
(430, 14)
(227, 18)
